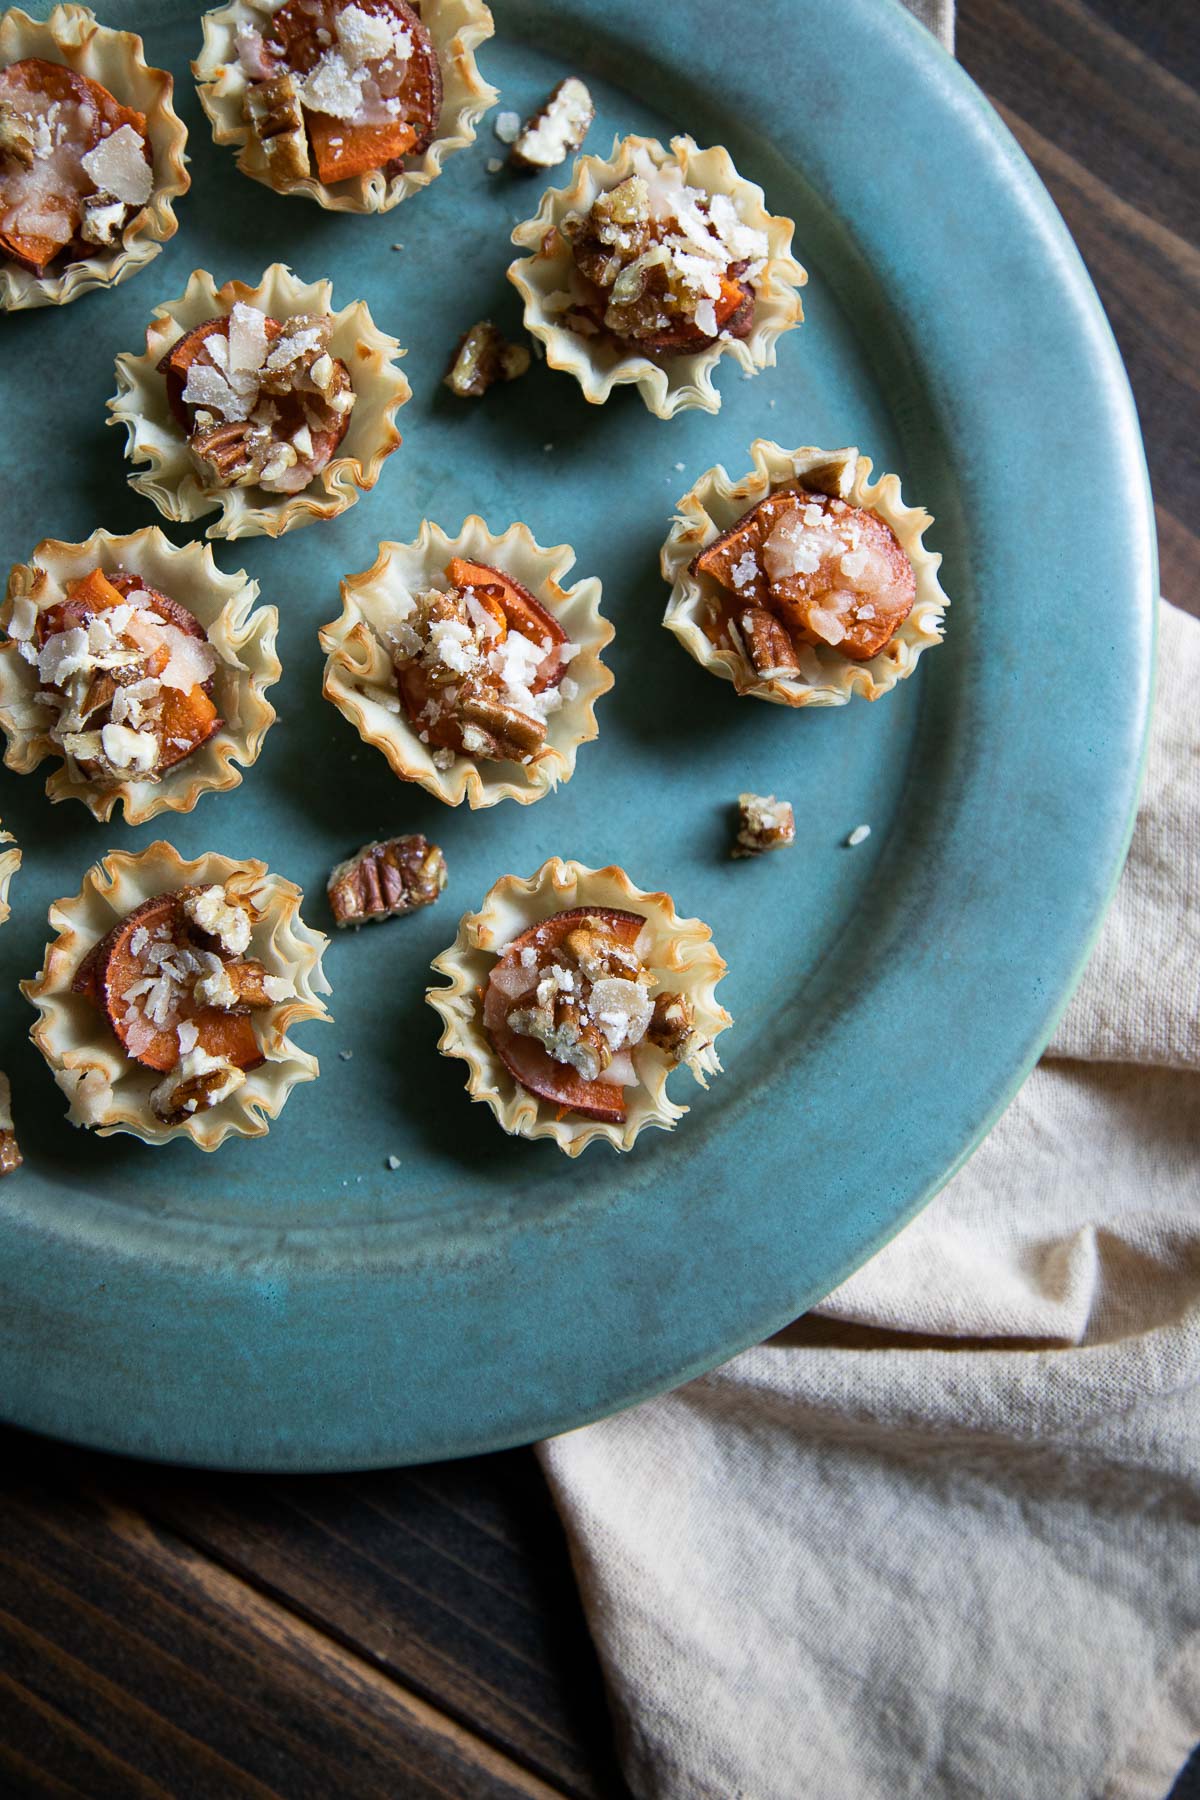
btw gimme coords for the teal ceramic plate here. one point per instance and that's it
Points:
(294, 1302)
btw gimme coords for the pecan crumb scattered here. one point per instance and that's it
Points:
(764, 823)
(557, 129)
(481, 358)
(386, 880)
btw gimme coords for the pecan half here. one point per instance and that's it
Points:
(767, 644)
(10, 1155)
(385, 880)
(227, 451)
(516, 735)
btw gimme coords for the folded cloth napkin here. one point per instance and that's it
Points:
(940, 1538)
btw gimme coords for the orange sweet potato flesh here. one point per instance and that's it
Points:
(175, 364)
(527, 1061)
(296, 25)
(521, 611)
(33, 75)
(343, 150)
(111, 969)
(191, 718)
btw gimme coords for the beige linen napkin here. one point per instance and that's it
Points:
(942, 1538)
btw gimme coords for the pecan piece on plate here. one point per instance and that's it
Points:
(764, 823)
(557, 129)
(385, 880)
(481, 358)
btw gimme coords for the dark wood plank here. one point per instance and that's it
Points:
(453, 1581)
(1101, 101)
(134, 1665)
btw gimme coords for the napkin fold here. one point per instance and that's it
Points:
(940, 1537)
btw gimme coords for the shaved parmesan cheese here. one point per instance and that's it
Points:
(118, 166)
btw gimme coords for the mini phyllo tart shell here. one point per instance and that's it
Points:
(361, 681)
(669, 383)
(457, 28)
(115, 59)
(679, 952)
(826, 677)
(241, 635)
(155, 437)
(10, 862)
(109, 1091)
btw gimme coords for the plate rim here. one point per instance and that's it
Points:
(888, 31)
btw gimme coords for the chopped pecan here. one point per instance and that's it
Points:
(600, 953)
(764, 823)
(557, 129)
(237, 986)
(228, 451)
(274, 115)
(385, 880)
(767, 644)
(672, 1024)
(197, 1082)
(16, 136)
(481, 358)
(515, 735)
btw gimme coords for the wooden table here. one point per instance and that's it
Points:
(417, 1633)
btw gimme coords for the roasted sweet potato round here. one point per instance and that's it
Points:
(526, 1059)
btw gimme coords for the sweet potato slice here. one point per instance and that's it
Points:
(746, 536)
(185, 722)
(112, 969)
(175, 364)
(308, 28)
(342, 150)
(525, 1059)
(24, 86)
(521, 611)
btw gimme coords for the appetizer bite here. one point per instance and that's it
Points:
(386, 880)
(571, 998)
(91, 157)
(468, 665)
(803, 582)
(481, 358)
(650, 266)
(10, 862)
(166, 1000)
(10, 1151)
(141, 666)
(764, 823)
(354, 103)
(261, 403)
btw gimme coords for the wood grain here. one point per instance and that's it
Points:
(417, 1633)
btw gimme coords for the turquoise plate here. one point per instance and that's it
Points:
(294, 1303)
